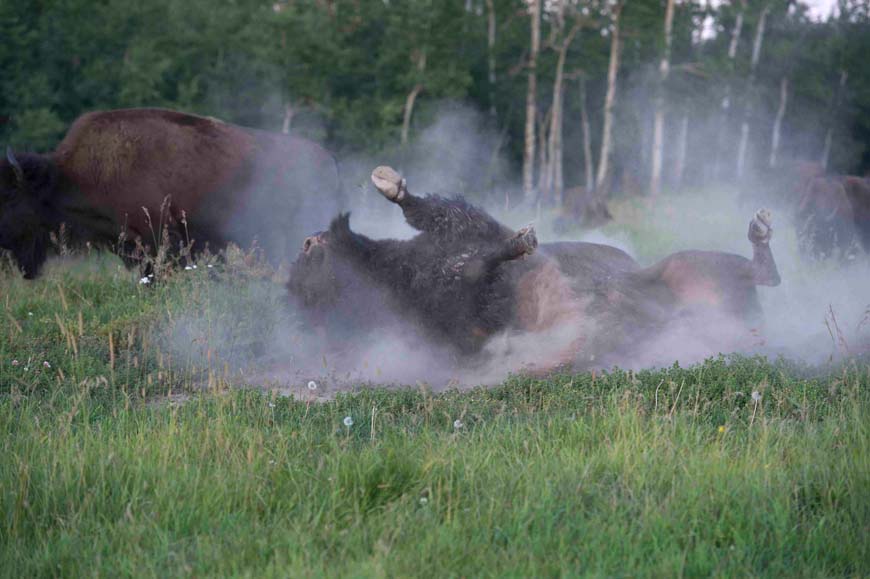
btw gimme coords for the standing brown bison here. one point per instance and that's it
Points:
(466, 278)
(123, 175)
(833, 216)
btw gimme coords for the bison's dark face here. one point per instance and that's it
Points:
(25, 188)
(330, 291)
(316, 279)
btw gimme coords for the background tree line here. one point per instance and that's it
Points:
(587, 96)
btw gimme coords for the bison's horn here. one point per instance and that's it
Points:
(16, 166)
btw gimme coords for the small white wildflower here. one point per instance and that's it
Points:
(312, 385)
(271, 405)
(27, 368)
(209, 266)
(756, 395)
(457, 424)
(271, 462)
(348, 421)
(423, 501)
(30, 314)
(14, 362)
(187, 268)
(194, 266)
(145, 280)
(46, 364)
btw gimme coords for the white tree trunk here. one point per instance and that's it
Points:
(777, 123)
(682, 150)
(609, 101)
(587, 138)
(750, 88)
(658, 146)
(725, 104)
(829, 134)
(543, 160)
(288, 118)
(490, 48)
(555, 180)
(412, 98)
(409, 110)
(531, 102)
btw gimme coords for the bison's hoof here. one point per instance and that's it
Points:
(760, 230)
(527, 239)
(388, 181)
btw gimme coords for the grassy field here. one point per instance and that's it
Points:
(123, 455)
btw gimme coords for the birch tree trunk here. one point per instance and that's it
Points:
(288, 118)
(682, 150)
(750, 89)
(555, 180)
(412, 98)
(543, 160)
(829, 134)
(609, 100)
(658, 146)
(587, 139)
(531, 102)
(777, 123)
(490, 48)
(725, 104)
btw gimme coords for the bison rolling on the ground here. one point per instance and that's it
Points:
(466, 278)
(206, 181)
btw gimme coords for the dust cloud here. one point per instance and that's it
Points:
(818, 313)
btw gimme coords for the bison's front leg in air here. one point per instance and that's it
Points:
(448, 219)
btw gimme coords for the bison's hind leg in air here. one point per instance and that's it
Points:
(764, 271)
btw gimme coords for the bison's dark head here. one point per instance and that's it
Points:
(27, 185)
(329, 289)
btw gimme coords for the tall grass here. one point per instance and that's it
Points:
(676, 472)
(734, 467)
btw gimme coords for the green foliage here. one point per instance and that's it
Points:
(346, 67)
(122, 457)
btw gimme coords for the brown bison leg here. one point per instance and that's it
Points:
(764, 271)
(450, 218)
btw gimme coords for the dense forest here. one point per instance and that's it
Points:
(613, 95)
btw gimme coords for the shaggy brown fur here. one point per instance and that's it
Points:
(115, 168)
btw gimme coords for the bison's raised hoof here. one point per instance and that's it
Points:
(388, 181)
(760, 230)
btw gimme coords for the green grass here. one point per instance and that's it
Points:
(673, 472)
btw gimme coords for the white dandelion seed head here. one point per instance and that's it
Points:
(312, 385)
(756, 395)
(348, 421)
(457, 424)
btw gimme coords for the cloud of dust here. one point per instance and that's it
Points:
(814, 315)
